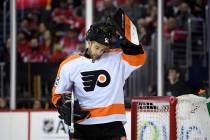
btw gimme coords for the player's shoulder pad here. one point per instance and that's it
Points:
(70, 58)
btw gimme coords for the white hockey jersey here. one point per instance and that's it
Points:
(97, 85)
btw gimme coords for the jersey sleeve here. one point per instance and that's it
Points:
(132, 62)
(62, 84)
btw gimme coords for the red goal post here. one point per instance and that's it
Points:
(153, 118)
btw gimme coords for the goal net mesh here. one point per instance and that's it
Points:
(193, 121)
(153, 120)
(168, 118)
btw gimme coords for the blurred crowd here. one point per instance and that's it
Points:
(144, 14)
(52, 33)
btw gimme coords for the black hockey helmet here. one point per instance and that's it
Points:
(102, 33)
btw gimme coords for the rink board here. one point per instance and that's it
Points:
(38, 125)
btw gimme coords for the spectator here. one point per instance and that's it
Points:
(175, 85)
(35, 53)
(169, 10)
(37, 104)
(171, 7)
(151, 15)
(79, 20)
(61, 15)
(5, 52)
(34, 20)
(40, 33)
(134, 10)
(170, 26)
(3, 104)
(142, 32)
(70, 40)
(198, 7)
(151, 20)
(42, 28)
(25, 26)
(23, 44)
(57, 54)
(47, 44)
(108, 10)
(152, 90)
(183, 15)
(46, 12)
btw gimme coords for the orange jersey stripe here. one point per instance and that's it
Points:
(127, 28)
(109, 110)
(56, 97)
(135, 60)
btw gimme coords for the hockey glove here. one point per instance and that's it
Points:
(130, 48)
(78, 113)
(64, 110)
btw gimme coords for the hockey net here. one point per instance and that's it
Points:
(169, 118)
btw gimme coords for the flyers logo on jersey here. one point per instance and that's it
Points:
(90, 79)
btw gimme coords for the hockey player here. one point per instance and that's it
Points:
(96, 78)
